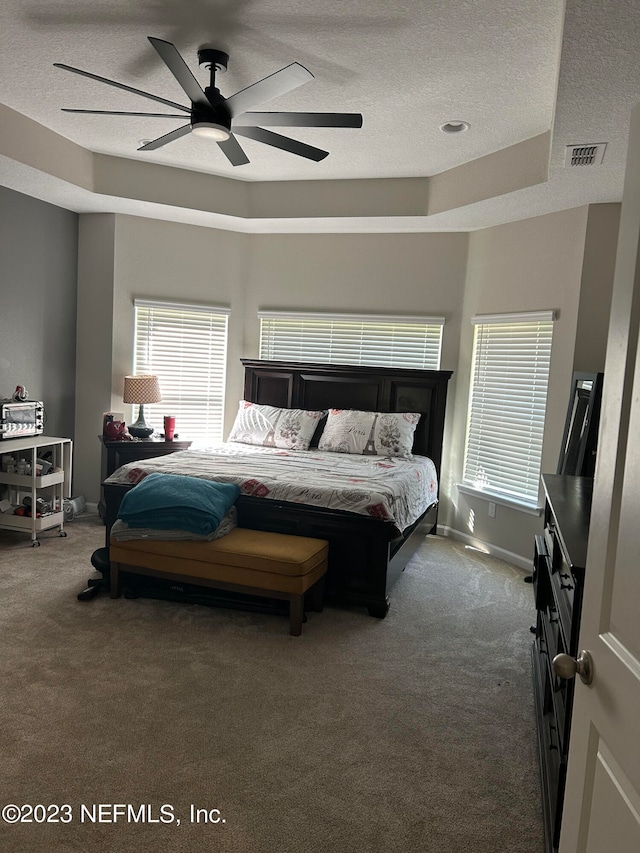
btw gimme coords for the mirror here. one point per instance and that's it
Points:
(580, 439)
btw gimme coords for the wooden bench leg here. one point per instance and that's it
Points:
(115, 581)
(296, 614)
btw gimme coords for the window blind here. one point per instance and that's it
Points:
(186, 347)
(392, 341)
(508, 397)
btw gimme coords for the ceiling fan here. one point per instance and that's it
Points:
(222, 119)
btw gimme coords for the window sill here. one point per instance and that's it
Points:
(512, 503)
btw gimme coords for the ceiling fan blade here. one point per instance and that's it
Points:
(180, 70)
(123, 113)
(254, 119)
(168, 137)
(270, 87)
(233, 151)
(282, 142)
(122, 86)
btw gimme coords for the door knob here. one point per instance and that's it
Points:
(565, 666)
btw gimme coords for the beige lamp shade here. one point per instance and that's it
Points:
(143, 388)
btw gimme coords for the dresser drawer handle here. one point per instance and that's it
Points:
(565, 586)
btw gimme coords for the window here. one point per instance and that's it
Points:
(186, 346)
(358, 339)
(508, 397)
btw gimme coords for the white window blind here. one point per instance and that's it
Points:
(186, 347)
(390, 341)
(508, 397)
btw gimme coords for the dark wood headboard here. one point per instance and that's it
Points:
(298, 385)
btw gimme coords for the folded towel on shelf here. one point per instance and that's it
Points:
(175, 502)
(122, 532)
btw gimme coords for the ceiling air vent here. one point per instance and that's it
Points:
(591, 154)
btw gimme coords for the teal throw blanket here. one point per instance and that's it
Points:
(174, 502)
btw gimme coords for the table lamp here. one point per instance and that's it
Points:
(141, 389)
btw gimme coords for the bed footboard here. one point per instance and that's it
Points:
(365, 556)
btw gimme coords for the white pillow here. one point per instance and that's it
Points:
(269, 426)
(369, 433)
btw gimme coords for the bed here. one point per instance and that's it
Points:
(372, 538)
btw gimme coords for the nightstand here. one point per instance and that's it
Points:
(118, 453)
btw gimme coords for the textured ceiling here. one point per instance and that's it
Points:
(514, 69)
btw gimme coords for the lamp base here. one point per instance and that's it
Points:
(140, 431)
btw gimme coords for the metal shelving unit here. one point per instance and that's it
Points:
(55, 485)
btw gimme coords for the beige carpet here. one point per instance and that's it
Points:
(414, 733)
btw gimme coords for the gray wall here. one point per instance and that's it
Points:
(563, 261)
(124, 257)
(38, 289)
(532, 265)
(95, 331)
(596, 287)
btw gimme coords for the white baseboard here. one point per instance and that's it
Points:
(525, 563)
(91, 507)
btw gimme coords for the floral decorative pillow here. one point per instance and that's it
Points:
(369, 433)
(270, 426)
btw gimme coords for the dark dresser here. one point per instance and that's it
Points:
(558, 583)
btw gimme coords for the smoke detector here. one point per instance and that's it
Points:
(585, 154)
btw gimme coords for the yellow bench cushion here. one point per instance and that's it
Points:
(253, 558)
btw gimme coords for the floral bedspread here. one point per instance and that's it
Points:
(388, 488)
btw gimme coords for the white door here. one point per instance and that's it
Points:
(602, 801)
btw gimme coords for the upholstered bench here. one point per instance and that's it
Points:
(256, 562)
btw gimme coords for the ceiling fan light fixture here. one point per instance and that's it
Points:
(209, 130)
